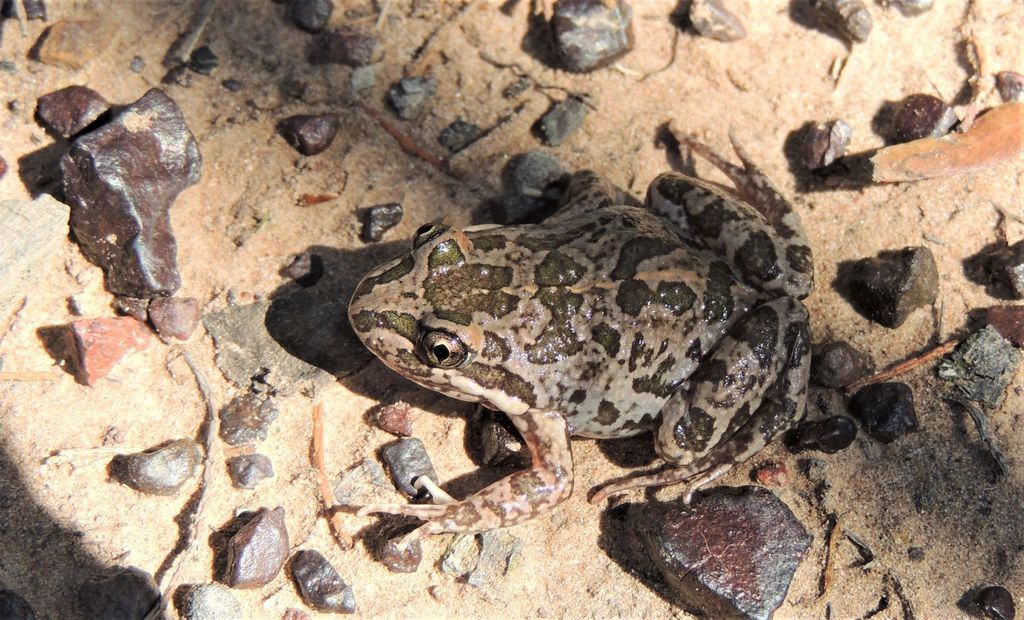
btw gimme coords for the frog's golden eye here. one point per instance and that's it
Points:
(427, 232)
(443, 349)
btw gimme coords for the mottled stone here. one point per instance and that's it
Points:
(159, 471)
(459, 135)
(248, 470)
(210, 601)
(348, 46)
(33, 233)
(400, 559)
(70, 110)
(408, 95)
(14, 607)
(306, 269)
(258, 551)
(711, 19)
(830, 435)
(461, 555)
(361, 484)
(310, 134)
(825, 143)
(380, 219)
(246, 419)
(174, 317)
(532, 182)
(71, 44)
(591, 34)
(121, 181)
(126, 595)
(885, 409)
(395, 418)
(312, 15)
(1010, 85)
(849, 18)
(837, 364)
(981, 367)
(34, 10)
(99, 344)
(1008, 321)
(499, 550)
(732, 552)
(406, 460)
(922, 116)
(562, 120)
(888, 288)
(320, 585)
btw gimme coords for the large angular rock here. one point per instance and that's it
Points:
(31, 232)
(121, 181)
(70, 110)
(258, 551)
(99, 344)
(731, 553)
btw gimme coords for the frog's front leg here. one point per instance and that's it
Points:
(752, 387)
(513, 499)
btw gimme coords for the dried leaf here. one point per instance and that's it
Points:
(995, 137)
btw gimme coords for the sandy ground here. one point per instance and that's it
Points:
(933, 489)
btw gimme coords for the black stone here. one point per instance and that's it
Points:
(591, 34)
(829, 435)
(710, 19)
(232, 85)
(995, 603)
(320, 585)
(120, 181)
(257, 552)
(849, 18)
(888, 288)
(500, 445)
(70, 110)
(407, 96)
(203, 60)
(248, 470)
(915, 554)
(34, 9)
(306, 269)
(380, 219)
(885, 409)
(562, 120)
(310, 134)
(921, 116)
(459, 135)
(406, 460)
(312, 15)
(825, 143)
(129, 594)
(1010, 85)
(981, 367)
(731, 552)
(14, 607)
(246, 419)
(159, 471)
(346, 46)
(533, 184)
(837, 364)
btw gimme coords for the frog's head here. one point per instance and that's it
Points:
(434, 315)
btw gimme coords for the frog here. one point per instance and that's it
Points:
(680, 316)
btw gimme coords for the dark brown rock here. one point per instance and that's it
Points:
(922, 116)
(120, 181)
(209, 601)
(246, 419)
(1008, 321)
(848, 18)
(258, 551)
(134, 307)
(825, 143)
(14, 607)
(459, 135)
(320, 585)
(533, 182)
(70, 110)
(310, 134)
(99, 344)
(71, 44)
(591, 34)
(888, 288)
(885, 409)
(837, 364)
(174, 317)
(159, 471)
(981, 367)
(34, 10)
(306, 269)
(830, 435)
(732, 552)
(129, 594)
(380, 219)
(1010, 85)
(248, 470)
(348, 46)
(406, 460)
(500, 444)
(995, 603)
(712, 20)
(296, 614)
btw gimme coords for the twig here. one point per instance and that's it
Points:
(334, 518)
(28, 376)
(420, 56)
(904, 366)
(863, 549)
(897, 588)
(830, 554)
(11, 322)
(193, 510)
(671, 59)
(406, 143)
(182, 47)
(984, 431)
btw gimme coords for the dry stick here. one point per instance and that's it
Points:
(406, 143)
(334, 519)
(904, 366)
(981, 423)
(830, 555)
(182, 47)
(171, 578)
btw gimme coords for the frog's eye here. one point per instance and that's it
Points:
(427, 232)
(443, 349)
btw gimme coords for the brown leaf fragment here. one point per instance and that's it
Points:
(995, 137)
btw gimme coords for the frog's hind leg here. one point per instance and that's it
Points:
(587, 191)
(762, 367)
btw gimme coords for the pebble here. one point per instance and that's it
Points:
(203, 61)
(1010, 85)
(1008, 321)
(71, 44)
(129, 593)
(772, 475)
(179, 75)
(406, 460)
(837, 364)
(499, 551)
(34, 232)
(520, 86)
(885, 409)
(174, 317)
(346, 46)
(121, 181)
(246, 419)
(533, 182)
(995, 603)
(755, 540)
(99, 344)
(312, 15)
(362, 79)
(395, 418)
(459, 135)
(162, 470)
(380, 219)
(400, 559)
(407, 96)
(981, 366)
(210, 601)
(134, 307)
(306, 269)
(361, 484)
(461, 555)
(829, 435)
(562, 120)
(258, 551)
(850, 18)
(232, 85)
(310, 134)
(910, 8)
(8, 67)
(1009, 267)
(137, 64)
(34, 10)
(712, 20)
(590, 34)
(248, 470)
(320, 585)
(888, 288)
(500, 446)
(14, 607)
(825, 143)
(70, 110)
(921, 116)
(915, 554)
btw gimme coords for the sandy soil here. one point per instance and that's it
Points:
(933, 489)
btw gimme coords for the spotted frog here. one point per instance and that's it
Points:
(681, 315)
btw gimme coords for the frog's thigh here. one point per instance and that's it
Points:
(751, 387)
(587, 191)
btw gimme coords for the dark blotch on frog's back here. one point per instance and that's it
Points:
(633, 295)
(559, 338)
(446, 253)
(399, 322)
(495, 347)
(607, 413)
(489, 243)
(496, 377)
(607, 337)
(466, 288)
(656, 383)
(637, 250)
(558, 269)
(712, 218)
(639, 353)
(757, 257)
(403, 268)
(694, 352)
(718, 297)
(693, 431)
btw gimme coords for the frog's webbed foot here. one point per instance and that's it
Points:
(695, 481)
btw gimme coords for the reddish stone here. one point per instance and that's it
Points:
(70, 110)
(174, 317)
(772, 474)
(101, 343)
(396, 418)
(1008, 321)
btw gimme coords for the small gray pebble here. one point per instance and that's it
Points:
(407, 96)
(712, 20)
(210, 601)
(562, 120)
(159, 471)
(248, 470)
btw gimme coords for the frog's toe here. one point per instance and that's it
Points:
(420, 511)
